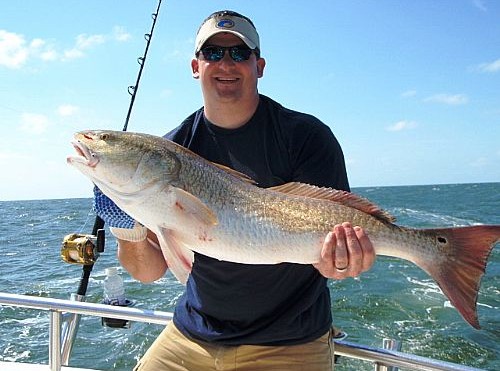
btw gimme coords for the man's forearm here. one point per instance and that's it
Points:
(143, 260)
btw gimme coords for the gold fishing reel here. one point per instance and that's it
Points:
(82, 248)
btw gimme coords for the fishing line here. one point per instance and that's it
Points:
(89, 215)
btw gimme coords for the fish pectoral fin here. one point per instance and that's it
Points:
(179, 259)
(334, 195)
(192, 208)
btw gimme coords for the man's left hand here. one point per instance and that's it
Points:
(347, 252)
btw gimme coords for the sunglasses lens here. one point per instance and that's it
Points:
(216, 53)
(213, 53)
(240, 54)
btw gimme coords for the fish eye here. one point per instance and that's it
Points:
(442, 240)
(104, 136)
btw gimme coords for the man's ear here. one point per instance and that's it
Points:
(194, 68)
(261, 64)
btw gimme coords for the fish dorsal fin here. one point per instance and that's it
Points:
(235, 173)
(335, 195)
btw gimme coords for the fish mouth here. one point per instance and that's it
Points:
(85, 155)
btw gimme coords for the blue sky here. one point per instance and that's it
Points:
(411, 89)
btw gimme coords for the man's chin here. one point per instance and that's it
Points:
(229, 95)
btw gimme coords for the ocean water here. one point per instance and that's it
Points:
(395, 299)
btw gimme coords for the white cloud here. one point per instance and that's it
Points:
(34, 123)
(41, 49)
(72, 54)
(13, 49)
(490, 67)
(37, 43)
(450, 99)
(49, 55)
(402, 125)
(409, 93)
(83, 42)
(16, 51)
(66, 110)
(119, 34)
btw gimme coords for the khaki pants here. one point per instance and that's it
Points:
(174, 351)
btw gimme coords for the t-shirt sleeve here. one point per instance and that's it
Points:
(318, 158)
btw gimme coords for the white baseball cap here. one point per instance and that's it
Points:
(231, 22)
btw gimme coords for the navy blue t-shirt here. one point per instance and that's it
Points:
(282, 304)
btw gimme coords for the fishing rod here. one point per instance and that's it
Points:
(85, 249)
(132, 90)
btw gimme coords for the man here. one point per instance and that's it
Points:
(235, 315)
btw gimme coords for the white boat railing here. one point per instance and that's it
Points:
(383, 359)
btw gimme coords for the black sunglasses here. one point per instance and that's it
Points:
(214, 53)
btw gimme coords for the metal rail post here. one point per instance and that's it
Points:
(55, 340)
(389, 344)
(71, 321)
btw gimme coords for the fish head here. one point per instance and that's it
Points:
(123, 163)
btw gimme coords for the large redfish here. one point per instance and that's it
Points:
(194, 205)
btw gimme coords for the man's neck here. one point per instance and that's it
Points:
(231, 115)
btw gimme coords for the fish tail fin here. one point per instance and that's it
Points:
(459, 275)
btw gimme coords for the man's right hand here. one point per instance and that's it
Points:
(121, 225)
